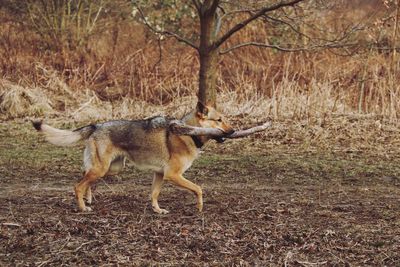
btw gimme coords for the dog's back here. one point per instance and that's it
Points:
(144, 142)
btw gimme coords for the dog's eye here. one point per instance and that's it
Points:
(219, 120)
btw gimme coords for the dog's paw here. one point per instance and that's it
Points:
(164, 211)
(200, 207)
(161, 211)
(86, 209)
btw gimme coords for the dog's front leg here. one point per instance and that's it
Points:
(180, 181)
(155, 192)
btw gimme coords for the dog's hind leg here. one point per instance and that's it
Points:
(82, 187)
(100, 160)
(87, 162)
(155, 192)
(89, 195)
(116, 166)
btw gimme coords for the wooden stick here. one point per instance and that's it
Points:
(178, 127)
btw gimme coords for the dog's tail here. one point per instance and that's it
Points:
(60, 137)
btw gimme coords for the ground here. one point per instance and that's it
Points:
(269, 200)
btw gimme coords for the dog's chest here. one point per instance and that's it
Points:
(188, 160)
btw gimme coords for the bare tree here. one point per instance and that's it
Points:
(218, 21)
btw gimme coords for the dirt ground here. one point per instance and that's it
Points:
(268, 201)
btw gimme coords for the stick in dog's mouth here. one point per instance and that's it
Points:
(178, 127)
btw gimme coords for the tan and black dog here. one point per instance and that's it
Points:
(147, 143)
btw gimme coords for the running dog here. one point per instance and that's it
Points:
(147, 143)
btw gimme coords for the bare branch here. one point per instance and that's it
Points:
(214, 6)
(196, 3)
(350, 29)
(283, 49)
(258, 14)
(289, 49)
(346, 33)
(244, 133)
(218, 23)
(178, 127)
(167, 33)
(289, 25)
(209, 6)
(324, 43)
(234, 12)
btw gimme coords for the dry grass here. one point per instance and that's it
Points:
(17, 101)
(286, 97)
(124, 77)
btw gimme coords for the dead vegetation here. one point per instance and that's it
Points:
(96, 84)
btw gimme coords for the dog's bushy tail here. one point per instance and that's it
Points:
(60, 137)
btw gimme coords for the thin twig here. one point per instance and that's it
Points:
(65, 244)
(84, 244)
(166, 33)
(258, 14)
(11, 224)
(288, 49)
(243, 211)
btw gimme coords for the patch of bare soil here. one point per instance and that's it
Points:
(264, 205)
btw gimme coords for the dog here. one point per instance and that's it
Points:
(147, 143)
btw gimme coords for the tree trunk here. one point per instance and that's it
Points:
(208, 59)
(208, 78)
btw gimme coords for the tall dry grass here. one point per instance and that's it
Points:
(343, 88)
(124, 73)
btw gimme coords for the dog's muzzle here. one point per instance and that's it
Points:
(222, 139)
(219, 140)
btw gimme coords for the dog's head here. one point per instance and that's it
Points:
(209, 117)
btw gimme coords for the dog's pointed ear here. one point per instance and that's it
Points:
(202, 109)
